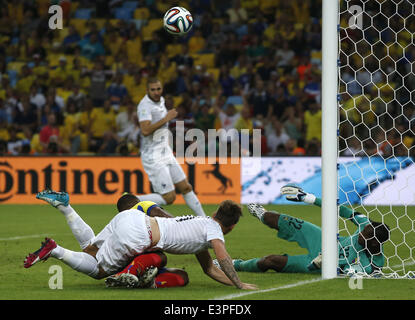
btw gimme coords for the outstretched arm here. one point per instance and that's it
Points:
(226, 265)
(227, 275)
(295, 193)
(159, 212)
(152, 209)
(210, 269)
(347, 213)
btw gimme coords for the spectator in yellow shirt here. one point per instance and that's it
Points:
(66, 90)
(133, 47)
(167, 70)
(245, 120)
(113, 42)
(62, 72)
(70, 133)
(102, 121)
(136, 87)
(197, 42)
(236, 13)
(312, 122)
(26, 79)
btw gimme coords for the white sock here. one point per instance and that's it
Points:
(193, 202)
(82, 232)
(79, 261)
(155, 197)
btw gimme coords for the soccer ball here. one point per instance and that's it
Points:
(178, 21)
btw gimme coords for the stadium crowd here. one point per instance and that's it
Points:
(245, 64)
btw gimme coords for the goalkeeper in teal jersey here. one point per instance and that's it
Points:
(360, 252)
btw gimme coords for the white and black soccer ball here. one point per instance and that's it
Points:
(178, 21)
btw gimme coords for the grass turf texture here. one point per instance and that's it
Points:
(23, 227)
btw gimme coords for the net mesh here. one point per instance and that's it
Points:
(376, 124)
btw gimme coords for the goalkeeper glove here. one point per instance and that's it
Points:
(315, 263)
(295, 193)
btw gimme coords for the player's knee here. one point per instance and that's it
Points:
(185, 277)
(101, 274)
(186, 188)
(163, 258)
(271, 219)
(273, 262)
(91, 250)
(169, 197)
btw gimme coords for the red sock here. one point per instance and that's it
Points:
(168, 279)
(141, 262)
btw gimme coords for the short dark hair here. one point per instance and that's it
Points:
(127, 201)
(228, 213)
(151, 80)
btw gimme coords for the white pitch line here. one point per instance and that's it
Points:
(30, 236)
(288, 286)
(246, 293)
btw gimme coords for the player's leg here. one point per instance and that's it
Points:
(270, 262)
(185, 188)
(152, 277)
(79, 261)
(154, 197)
(171, 277)
(146, 260)
(306, 234)
(278, 263)
(60, 200)
(269, 218)
(162, 185)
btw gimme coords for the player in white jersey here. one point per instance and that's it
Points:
(132, 232)
(150, 267)
(162, 168)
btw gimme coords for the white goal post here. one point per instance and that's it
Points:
(329, 105)
(368, 130)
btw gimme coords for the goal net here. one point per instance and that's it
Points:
(376, 138)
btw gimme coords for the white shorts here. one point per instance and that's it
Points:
(163, 176)
(127, 235)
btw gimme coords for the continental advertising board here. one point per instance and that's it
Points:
(369, 181)
(103, 179)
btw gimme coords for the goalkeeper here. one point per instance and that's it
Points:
(360, 252)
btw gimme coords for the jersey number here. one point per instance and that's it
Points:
(296, 223)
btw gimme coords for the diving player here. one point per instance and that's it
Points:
(360, 252)
(131, 233)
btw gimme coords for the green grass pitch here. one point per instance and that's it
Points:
(23, 227)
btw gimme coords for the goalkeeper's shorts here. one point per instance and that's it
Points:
(307, 235)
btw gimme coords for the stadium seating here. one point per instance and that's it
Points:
(13, 76)
(123, 13)
(132, 5)
(206, 59)
(142, 14)
(130, 54)
(138, 23)
(150, 27)
(83, 13)
(80, 25)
